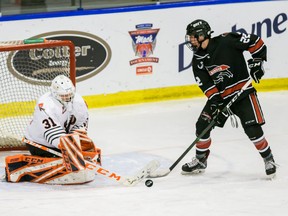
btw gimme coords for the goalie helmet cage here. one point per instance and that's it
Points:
(27, 69)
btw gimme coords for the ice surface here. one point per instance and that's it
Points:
(234, 183)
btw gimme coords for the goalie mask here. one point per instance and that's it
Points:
(197, 28)
(63, 89)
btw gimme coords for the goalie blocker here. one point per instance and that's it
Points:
(73, 168)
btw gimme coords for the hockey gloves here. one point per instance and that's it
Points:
(256, 69)
(217, 113)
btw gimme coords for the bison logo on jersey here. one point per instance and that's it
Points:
(218, 72)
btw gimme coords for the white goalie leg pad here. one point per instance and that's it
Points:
(28, 168)
(21, 168)
(80, 177)
(70, 169)
(77, 169)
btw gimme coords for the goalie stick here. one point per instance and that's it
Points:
(165, 172)
(128, 181)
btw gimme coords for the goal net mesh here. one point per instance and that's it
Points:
(27, 70)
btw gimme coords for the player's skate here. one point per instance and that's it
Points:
(270, 166)
(195, 166)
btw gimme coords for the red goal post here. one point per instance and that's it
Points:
(27, 68)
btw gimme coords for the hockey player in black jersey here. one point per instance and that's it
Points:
(220, 70)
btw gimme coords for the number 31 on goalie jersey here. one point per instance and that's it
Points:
(48, 123)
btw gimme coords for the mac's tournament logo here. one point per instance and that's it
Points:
(144, 43)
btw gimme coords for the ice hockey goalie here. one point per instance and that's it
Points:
(61, 151)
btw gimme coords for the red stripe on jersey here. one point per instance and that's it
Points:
(261, 145)
(256, 108)
(233, 89)
(203, 144)
(256, 47)
(211, 92)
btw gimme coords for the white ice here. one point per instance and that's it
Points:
(234, 183)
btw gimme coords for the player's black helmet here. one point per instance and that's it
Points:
(197, 28)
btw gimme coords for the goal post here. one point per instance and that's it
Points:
(27, 68)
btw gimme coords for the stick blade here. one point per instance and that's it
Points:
(143, 173)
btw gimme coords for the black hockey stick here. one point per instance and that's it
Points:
(165, 172)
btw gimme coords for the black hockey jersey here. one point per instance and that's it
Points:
(221, 70)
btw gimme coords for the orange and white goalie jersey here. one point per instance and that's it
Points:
(51, 119)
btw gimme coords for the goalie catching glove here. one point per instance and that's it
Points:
(256, 69)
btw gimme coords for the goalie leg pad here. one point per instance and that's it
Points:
(77, 169)
(70, 147)
(71, 169)
(27, 168)
(20, 168)
(80, 177)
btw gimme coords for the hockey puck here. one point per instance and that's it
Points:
(149, 183)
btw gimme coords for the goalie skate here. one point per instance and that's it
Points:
(143, 173)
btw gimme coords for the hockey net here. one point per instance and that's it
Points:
(27, 69)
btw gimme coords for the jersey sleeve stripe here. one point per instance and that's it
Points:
(54, 136)
(54, 133)
(256, 47)
(211, 92)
